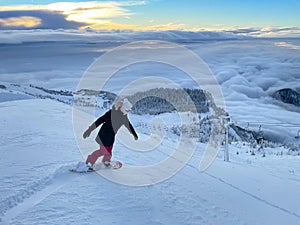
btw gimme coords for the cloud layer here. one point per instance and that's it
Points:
(266, 31)
(87, 36)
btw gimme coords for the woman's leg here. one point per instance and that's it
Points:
(104, 151)
(107, 153)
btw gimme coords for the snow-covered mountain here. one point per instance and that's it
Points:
(288, 95)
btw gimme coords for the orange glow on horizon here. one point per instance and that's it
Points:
(22, 21)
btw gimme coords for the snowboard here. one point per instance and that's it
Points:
(81, 167)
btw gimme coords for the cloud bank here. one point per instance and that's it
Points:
(88, 36)
(249, 72)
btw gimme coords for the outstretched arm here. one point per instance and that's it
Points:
(131, 130)
(97, 123)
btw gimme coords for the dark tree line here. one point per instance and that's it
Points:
(162, 100)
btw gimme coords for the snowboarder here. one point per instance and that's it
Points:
(111, 122)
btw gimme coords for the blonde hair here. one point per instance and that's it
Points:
(118, 103)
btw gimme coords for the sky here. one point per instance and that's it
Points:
(191, 15)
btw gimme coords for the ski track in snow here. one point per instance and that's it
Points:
(248, 193)
(160, 211)
(253, 196)
(210, 213)
(38, 191)
(34, 193)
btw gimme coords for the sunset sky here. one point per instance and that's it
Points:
(193, 15)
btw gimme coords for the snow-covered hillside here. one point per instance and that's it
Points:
(154, 106)
(38, 148)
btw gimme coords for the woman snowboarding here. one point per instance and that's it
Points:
(111, 122)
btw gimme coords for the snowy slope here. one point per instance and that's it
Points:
(38, 147)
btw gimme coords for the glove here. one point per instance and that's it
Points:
(87, 133)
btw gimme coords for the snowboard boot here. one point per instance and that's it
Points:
(107, 163)
(89, 167)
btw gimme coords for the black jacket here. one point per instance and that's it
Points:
(111, 122)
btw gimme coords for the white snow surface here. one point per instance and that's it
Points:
(38, 148)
